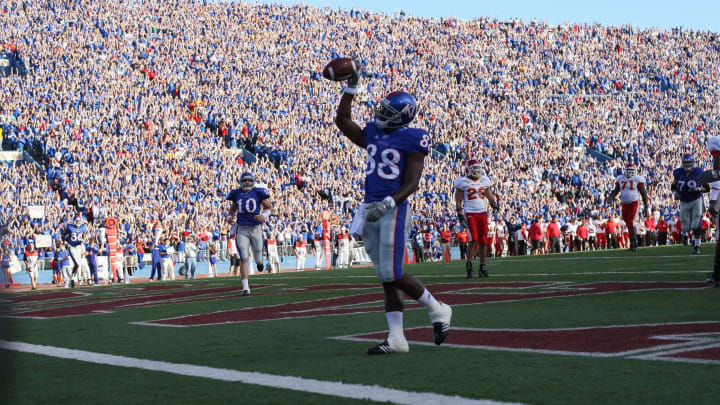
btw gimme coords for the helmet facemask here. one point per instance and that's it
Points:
(688, 164)
(386, 116)
(247, 182)
(475, 171)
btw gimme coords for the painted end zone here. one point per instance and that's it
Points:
(679, 341)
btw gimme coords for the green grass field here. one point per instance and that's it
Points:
(594, 328)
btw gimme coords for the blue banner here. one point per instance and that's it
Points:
(599, 156)
(12, 64)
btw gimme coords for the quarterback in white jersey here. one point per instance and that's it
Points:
(630, 186)
(470, 194)
(707, 177)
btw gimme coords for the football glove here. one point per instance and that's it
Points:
(377, 209)
(708, 176)
(352, 82)
(713, 209)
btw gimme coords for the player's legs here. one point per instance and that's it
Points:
(256, 242)
(243, 243)
(83, 269)
(685, 220)
(387, 250)
(695, 210)
(477, 222)
(76, 260)
(628, 215)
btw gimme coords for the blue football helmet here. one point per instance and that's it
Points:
(247, 181)
(396, 110)
(688, 162)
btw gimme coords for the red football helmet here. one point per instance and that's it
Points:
(630, 170)
(474, 169)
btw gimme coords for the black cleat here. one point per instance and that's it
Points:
(468, 269)
(245, 293)
(714, 279)
(696, 250)
(382, 348)
(260, 267)
(483, 271)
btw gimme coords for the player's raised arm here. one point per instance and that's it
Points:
(345, 123)
(343, 117)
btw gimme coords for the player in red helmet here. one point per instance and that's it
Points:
(471, 193)
(629, 184)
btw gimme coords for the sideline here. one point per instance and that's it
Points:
(337, 389)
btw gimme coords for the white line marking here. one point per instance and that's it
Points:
(337, 389)
(665, 355)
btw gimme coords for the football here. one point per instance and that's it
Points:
(341, 69)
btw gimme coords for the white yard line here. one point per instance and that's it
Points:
(337, 389)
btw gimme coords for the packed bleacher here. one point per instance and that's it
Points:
(138, 110)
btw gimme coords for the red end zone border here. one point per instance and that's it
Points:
(693, 342)
(450, 293)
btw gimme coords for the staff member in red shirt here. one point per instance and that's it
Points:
(445, 239)
(610, 233)
(535, 235)
(582, 235)
(462, 239)
(662, 230)
(650, 231)
(554, 235)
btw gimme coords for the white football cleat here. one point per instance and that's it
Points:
(441, 322)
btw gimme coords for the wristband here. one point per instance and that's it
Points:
(350, 90)
(266, 213)
(391, 201)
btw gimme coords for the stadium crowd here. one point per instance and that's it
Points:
(138, 110)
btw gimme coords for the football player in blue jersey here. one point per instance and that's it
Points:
(251, 206)
(688, 190)
(394, 166)
(74, 237)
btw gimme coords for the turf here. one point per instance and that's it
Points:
(308, 346)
